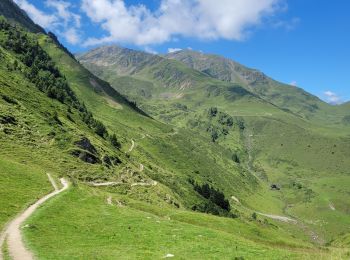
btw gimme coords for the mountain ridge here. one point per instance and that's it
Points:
(216, 67)
(280, 94)
(10, 10)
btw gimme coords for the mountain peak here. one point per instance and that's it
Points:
(126, 61)
(217, 66)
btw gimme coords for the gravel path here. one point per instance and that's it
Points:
(12, 232)
(280, 218)
(132, 146)
(104, 184)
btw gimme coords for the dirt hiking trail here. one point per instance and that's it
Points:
(12, 232)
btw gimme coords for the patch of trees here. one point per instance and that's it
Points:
(42, 72)
(40, 69)
(222, 118)
(213, 111)
(214, 133)
(240, 124)
(114, 141)
(235, 158)
(216, 203)
(225, 119)
(224, 123)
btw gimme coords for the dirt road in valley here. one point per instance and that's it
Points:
(12, 233)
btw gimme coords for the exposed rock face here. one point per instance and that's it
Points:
(88, 153)
(85, 144)
(86, 156)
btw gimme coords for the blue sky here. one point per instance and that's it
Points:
(299, 42)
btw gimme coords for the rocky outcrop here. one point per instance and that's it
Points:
(86, 156)
(85, 144)
(87, 151)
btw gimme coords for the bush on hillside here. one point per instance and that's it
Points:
(114, 141)
(225, 119)
(212, 112)
(214, 196)
(235, 158)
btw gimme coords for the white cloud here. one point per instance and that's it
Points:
(62, 20)
(294, 83)
(204, 19)
(171, 50)
(150, 50)
(332, 98)
(71, 35)
(68, 23)
(39, 17)
(287, 25)
(63, 12)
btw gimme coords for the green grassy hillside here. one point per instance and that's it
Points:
(203, 147)
(285, 96)
(14, 14)
(39, 135)
(133, 230)
(43, 134)
(273, 144)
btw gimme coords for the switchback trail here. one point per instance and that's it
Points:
(12, 232)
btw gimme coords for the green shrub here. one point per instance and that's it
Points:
(114, 141)
(214, 197)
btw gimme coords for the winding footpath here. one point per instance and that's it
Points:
(132, 146)
(279, 218)
(12, 232)
(105, 184)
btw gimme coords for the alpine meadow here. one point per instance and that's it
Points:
(116, 153)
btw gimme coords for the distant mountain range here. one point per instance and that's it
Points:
(186, 69)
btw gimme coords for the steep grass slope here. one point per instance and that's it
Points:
(57, 117)
(279, 147)
(14, 14)
(42, 134)
(285, 96)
